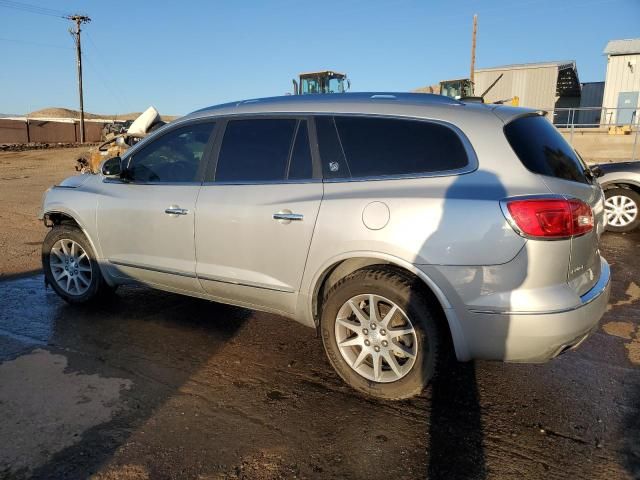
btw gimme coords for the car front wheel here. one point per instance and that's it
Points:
(621, 207)
(70, 265)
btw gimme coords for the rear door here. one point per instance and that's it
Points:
(543, 150)
(257, 212)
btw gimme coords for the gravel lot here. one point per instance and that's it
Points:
(154, 385)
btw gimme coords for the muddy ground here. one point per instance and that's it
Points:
(153, 385)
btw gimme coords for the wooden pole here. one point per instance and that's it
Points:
(473, 53)
(79, 19)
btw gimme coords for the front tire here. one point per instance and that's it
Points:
(621, 208)
(70, 265)
(390, 350)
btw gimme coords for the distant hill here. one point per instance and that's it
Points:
(55, 112)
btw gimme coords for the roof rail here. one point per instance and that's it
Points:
(419, 98)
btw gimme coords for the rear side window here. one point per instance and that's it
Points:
(543, 150)
(366, 147)
(255, 150)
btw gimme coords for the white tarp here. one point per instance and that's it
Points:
(141, 124)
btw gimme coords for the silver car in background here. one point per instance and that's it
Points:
(396, 224)
(621, 184)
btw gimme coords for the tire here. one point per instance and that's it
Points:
(622, 207)
(75, 281)
(388, 286)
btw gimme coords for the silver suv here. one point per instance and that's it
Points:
(396, 224)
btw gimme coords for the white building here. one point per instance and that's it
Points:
(622, 86)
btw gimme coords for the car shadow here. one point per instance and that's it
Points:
(456, 434)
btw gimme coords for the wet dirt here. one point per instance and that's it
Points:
(155, 385)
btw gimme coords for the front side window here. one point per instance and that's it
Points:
(175, 157)
(264, 150)
(368, 147)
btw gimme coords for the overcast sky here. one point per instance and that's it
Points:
(183, 55)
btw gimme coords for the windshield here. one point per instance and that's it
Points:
(336, 85)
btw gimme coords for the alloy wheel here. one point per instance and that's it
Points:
(620, 210)
(70, 267)
(376, 338)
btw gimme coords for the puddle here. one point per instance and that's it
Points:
(46, 409)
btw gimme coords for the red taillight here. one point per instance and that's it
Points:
(551, 217)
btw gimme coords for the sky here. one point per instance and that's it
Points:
(183, 55)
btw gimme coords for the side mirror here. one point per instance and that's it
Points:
(112, 167)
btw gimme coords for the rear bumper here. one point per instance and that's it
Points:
(534, 337)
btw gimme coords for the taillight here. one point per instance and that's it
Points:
(551, 218)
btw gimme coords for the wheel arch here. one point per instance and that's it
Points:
(343, 265)
(56, 217)
(621, 184)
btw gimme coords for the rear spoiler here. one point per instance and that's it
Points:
(509, 114)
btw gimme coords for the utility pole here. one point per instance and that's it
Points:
(473, 53)
(79, 20)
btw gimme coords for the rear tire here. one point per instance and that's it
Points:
(353, 339)
(622, 208)
(70, 266)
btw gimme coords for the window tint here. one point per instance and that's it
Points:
(542, 149)
(383, 146)
(174, 157)
(300, 167)
(255, 150)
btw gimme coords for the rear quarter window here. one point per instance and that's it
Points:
(369, 147)
(542, 149)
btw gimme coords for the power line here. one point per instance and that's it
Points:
(38, 44)
(27, 7)
(105, 73)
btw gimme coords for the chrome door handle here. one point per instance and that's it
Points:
(172, 210)
(287, 216)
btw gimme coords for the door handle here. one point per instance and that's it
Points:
(286, 216)
(174, 210)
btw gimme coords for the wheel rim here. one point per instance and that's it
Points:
(620, 210)
(376, 338)
(70, 267)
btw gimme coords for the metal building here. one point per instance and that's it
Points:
(621, 104)
(544, 85)
(590, 111)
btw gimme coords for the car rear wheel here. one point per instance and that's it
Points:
(380, 334)
(621, 207)
(70, 265)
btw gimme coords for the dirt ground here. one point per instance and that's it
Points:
(152, 385)
(24, 177)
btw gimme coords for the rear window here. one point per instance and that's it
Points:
(255, 150)
(365, 147)
(542, 149)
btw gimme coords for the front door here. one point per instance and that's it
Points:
(256, 220)
(146, 220)
(627, 106)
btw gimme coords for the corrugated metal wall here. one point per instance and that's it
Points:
(592, 95)
(536, 85)
(46, 131)
(620, 78)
